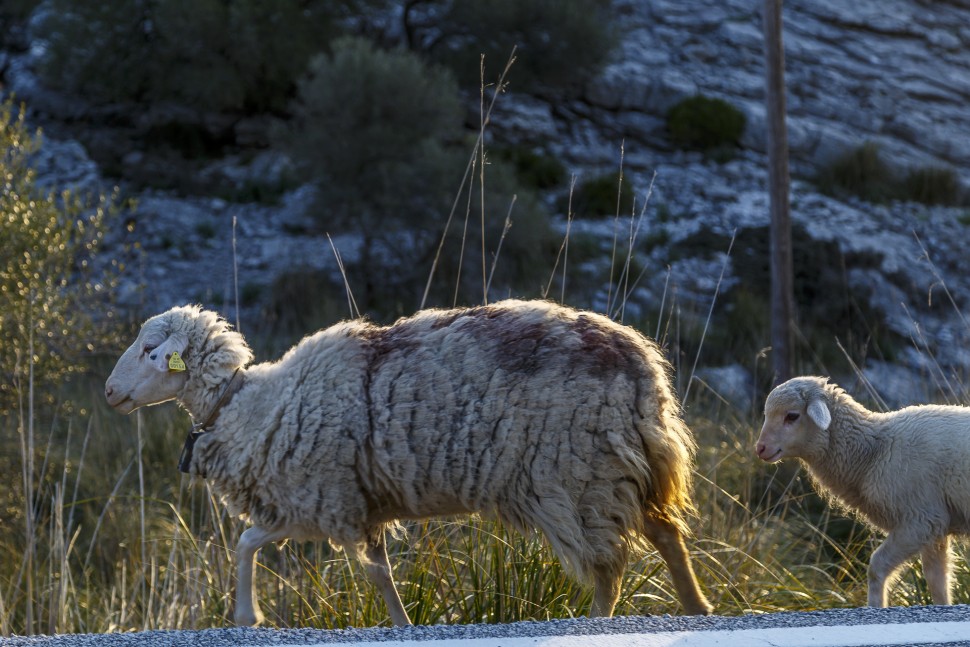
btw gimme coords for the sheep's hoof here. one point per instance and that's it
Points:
(248, 618)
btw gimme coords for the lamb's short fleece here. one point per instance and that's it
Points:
(905, 472)
(537, 414)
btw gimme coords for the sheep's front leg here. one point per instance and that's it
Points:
(378, 569)
(900, 545)
(936, 569)
(252, 539)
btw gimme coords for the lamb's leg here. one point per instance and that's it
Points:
(670, 544)
(378, 569)
(252, 539)
(900, 545)
(936, 569)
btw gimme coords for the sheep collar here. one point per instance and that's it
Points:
(199, 428)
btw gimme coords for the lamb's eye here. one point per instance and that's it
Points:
(791, 417)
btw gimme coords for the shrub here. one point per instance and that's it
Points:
(933, 185)
(54, 295)
(370, 129)
(526, 255)
(837, 309)
(533, 169)
(597, 198)
(214, 55)
(860, 172)
(704, 123)
(12, 14)
(559, 44)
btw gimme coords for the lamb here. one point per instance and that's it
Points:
(536, 414)
(903, 472)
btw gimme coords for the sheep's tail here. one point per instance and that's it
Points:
(670, 451)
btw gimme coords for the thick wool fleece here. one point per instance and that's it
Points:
(543, 416)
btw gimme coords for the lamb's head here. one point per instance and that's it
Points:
(797, 416)
(185, 344)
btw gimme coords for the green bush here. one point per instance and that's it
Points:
(559, 44)
(704, 123)
(862, 172)
(14, 12)
(55, 299)
(934, 185)
(526, 254)
(533, 169)
(597, 198)
(241, 56)
(370, 129)
(837, 310)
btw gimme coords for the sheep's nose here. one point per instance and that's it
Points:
(108, 390)
(761, 449)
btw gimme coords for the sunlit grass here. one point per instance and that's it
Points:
(762, 542)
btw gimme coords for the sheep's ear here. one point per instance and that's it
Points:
(820, 414)
(162, 355)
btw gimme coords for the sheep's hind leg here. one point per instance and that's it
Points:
(936, 569)
(668, 541)
(900, 545)
(252, 539)
(606, 591)
(378, 569)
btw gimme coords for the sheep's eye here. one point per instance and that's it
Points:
(148, 348)
(791, 417)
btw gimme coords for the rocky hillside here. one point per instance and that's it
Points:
(892, 72)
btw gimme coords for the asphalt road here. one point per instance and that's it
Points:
(927, 626)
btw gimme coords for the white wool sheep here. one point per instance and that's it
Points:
(905, 472)
(539, 415)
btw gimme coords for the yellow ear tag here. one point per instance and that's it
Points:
(175, 362)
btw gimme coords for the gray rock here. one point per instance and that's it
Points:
(733, 384)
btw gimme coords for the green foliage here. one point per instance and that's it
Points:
(297, 303)
(862, 172)
(705, 123)
(533, 169)
(525, 253)
(601, 196)
(373, 130)
(242, 56)
(934, 185)
(836, 310)
(559, 44)
(54, 295)
(370, 129)
(14, 12)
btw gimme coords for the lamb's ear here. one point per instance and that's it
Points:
(161, 356)
(819, 412)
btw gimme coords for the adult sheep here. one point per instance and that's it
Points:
(904, 472)
(539, 415)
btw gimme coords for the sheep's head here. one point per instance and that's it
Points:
(143, 375)
(796, 413)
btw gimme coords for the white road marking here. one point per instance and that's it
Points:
(810, 636)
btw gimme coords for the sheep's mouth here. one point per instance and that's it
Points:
(125, 405)
(773, 458)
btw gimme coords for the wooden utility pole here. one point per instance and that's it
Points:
(782, 279)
